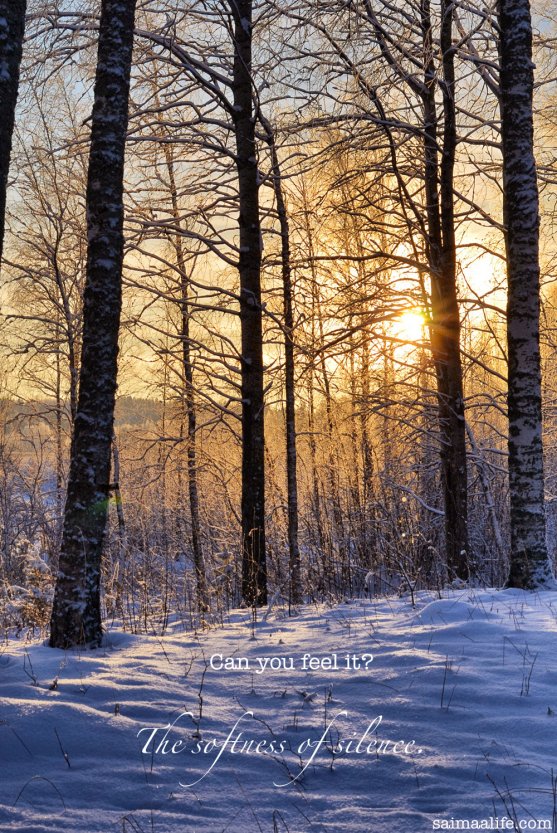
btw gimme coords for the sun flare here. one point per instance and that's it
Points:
(409, 326)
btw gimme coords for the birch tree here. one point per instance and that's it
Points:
(76, 615)
(12, 27)
(530, 567)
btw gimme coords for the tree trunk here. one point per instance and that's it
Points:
(254, 568)
(445, 321)
(122, 534)
(370, 521)
(296, 596)
(188, 396)
(340, 575)
(12, 27)
(530, 567)
(59, 442)
(76, 615)
(323, 542)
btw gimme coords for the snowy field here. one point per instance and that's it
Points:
(446, 712)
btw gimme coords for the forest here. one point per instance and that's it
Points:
(278, 316)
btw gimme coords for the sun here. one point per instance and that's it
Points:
(409, 325)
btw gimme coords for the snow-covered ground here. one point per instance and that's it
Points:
(452, 714)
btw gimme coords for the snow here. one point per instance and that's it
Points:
(451, 610)
(370, 715)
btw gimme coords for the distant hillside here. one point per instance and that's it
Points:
(129, 410)
(134, 411)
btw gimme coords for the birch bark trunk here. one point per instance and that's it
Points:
(76, 615)
(530, 567)
(12, 28)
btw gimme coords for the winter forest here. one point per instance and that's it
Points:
(278, 415)
(278, 321)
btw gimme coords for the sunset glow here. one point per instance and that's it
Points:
(409, 326)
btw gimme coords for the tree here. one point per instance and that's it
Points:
(254, 568)
(76, 615)
(12, 27)
(44, 270)
(188, 395)
(214, 135)
(445, 318)
(530, 567)
(295, 588)
(175, 291)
